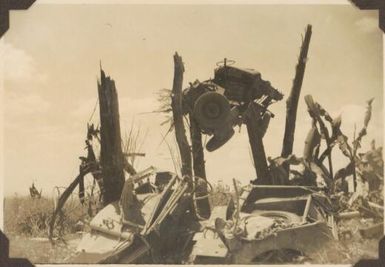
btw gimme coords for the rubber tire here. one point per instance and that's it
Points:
(205, 122)
(289, 217)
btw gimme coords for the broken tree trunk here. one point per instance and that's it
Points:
(292, 100)
(177, 112)
(111, 155)
(255, 139)
(198, 160)
(197, 149)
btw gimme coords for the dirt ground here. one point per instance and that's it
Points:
(40, 250)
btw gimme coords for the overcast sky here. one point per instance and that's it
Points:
(52, 55)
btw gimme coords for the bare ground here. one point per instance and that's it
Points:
(40, 250)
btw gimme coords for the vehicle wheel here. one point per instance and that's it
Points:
(287, 217)
(211, 111)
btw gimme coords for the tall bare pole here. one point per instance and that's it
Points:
(292, 100)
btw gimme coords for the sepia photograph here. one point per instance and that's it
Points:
(192, 133)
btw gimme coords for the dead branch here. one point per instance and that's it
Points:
(132, 144)
(63, 198)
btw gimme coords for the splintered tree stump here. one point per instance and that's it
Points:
(292, 100)
(111, 155)
(177, 112)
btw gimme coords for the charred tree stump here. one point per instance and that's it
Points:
(111, 155)
(198, 160)
(177, 112)
(292, 100)
(255, 139)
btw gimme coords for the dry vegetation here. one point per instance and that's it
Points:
(30, 217)
(26, 225)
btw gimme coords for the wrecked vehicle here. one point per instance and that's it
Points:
(260, 220)
(146, 227)
(266, 218)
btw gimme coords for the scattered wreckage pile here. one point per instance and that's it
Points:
(162, 217)
(364, 208)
